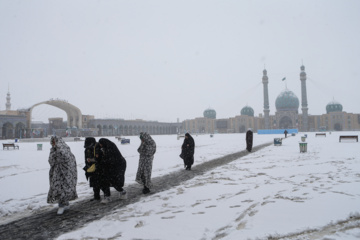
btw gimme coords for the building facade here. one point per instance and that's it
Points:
(286, 116)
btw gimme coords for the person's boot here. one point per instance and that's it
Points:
(123, 194)
(146, 190)
(96, 196)
(106, 200)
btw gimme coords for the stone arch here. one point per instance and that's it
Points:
(20, 130)
(105, 130)
(99, 127)
(285, 122)
(74, 115)
(337, 127)
(242, 129)
(126, 130)
(7, 130)
(111, 129)
(138, 130)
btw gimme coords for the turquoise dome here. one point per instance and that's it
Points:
(287, 101)
(334, 107)
(210, 113)
(248, 111)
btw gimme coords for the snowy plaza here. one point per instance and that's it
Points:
(275, 192)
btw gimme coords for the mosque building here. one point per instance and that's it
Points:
(287, 115)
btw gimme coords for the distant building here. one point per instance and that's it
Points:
(17, 124)
(287, 115)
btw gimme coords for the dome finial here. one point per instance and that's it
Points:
(302, 66)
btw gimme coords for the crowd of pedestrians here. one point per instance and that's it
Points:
(105, 167)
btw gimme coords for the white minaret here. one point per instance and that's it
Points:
(8, 98)
(304, 104)
(265, 81)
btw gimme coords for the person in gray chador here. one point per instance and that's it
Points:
(62, 174)
(147, 150)
(187, 151)
(249, 140)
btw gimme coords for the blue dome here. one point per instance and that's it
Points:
(210, 113)
(287, 101)
(248, 111)
(334, 107)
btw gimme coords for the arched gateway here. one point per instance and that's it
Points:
(74, 115)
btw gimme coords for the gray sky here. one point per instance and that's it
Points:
(163, 60)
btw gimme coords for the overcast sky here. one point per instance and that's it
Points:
(163, 60)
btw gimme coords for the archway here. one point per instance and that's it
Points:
(242, 129)
(74, 115)
(99, 127)
(7, 130)
(19, 130)
(285, 122)
(337, 127)
(105, 130)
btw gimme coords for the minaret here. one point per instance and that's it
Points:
(304, 104)
(265, 81)
(8, 104)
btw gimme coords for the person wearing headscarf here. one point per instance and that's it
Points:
(147, 150)
(62, 174)
(187, 151)
(249, 140)
(113, 166)
(285, 132)
(92, 168)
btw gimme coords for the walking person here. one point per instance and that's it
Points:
(62, 174)
(249, 140)
(94, 170)
(147, 150)
(187, 151)
(113, 166)
(285, 132)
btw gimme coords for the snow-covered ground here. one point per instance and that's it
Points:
(274, 192)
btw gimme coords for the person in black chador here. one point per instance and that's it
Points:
(249, 140)
(187, 151)
(113, 167)
(285, 132)
(91, 173)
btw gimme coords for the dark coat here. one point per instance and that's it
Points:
(113, 164)
(188, 150)
(89, 153)
(249, 140)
